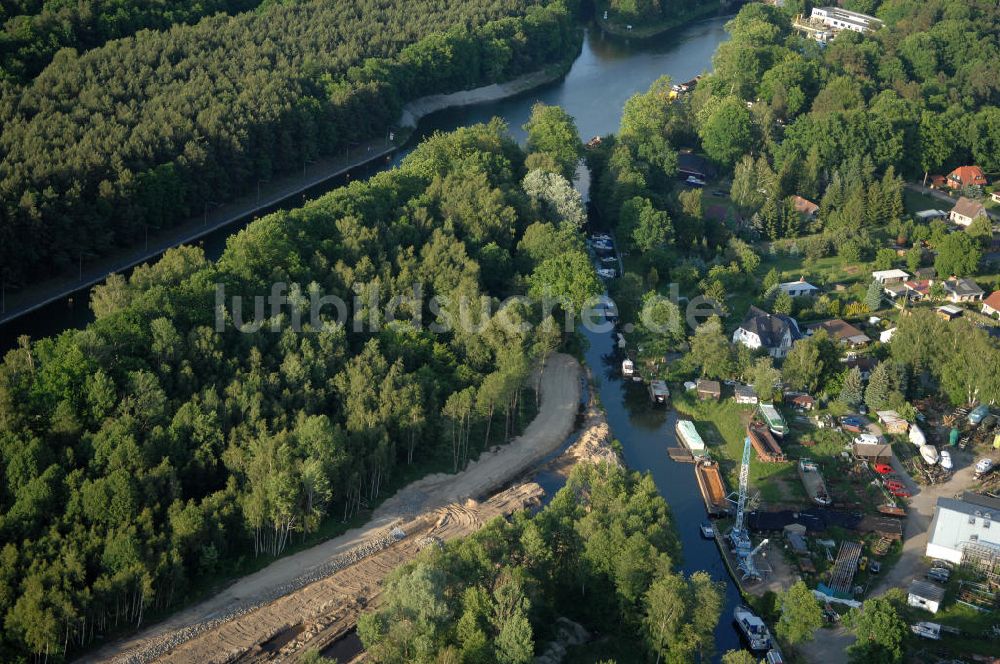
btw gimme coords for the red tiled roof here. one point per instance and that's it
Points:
(968, 175)
(804, 206)
(993, 301)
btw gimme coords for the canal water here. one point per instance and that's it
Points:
(608, 71)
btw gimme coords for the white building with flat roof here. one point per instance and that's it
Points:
(843, 19)
(959, 523)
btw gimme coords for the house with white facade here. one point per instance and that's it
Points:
(894, 276)
(962, 290)
(800, 288)
(966, 211)
(843, 19)
(774, 333)
(991, 305)
(958, 524)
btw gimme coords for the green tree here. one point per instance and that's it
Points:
(873, 296)
(880, 385)
(710, 352)
(783, 304)
(801, 614)
(853, 388)
(568, 278)
(880, 632)
(726, 134)
(764, 378)
(914, 258)
(885, 258)
(552, 132)
(803, 366)
(739, 657)
(958, 254)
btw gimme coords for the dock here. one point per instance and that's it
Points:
(681, 455)
(768, 449)
(842, 575)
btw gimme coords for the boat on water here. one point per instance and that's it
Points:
(812, 480)
(628, 368)
(707, 530)
(689, 437)
(929, 454)
(658, 391)
(712, 488)
(772, 417)
(763, 441)
(753, 629)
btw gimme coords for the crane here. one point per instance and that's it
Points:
(738, 535)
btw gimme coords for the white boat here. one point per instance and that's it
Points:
(689, 437)
(753, 628)
(917, 436)
(628, 368)
(929, 454)
(927, 630)
(707, 530)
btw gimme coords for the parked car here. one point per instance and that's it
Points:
(852, 424)
(945, 459)
(883, 468)
(939, 574)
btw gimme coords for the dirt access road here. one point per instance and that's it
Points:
(560, 398)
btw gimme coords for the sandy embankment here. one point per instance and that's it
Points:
(418, 108)
(441, 506)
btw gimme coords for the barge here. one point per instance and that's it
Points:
(658, 391)
(775, 422)
(689, 437)
(812, 480)
(713, 491)
(763, 441)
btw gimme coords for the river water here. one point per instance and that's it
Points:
(608, 71)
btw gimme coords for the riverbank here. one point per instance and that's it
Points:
(657, 28)
(277, 192)
(328, 579)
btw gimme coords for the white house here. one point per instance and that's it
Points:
(991, 305)
(890, 276)
(774, 333)
(800, 288)
(958, 524)
(966, 211)
(842, 19)
(925, 595)
(963, 290)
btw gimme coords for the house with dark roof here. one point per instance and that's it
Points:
(962, 290)
(842, 331)
(966, 176)
(775, 333)
(966, 211)
(991, 305)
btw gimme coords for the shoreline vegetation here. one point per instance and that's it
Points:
(619, 28)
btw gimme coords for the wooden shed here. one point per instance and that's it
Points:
(709, 389)
(892, 422)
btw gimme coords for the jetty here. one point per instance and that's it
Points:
(768, 449)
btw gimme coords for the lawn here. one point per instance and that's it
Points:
(915, 201)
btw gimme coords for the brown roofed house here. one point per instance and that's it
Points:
(709, 389)
(966, 210)
(804, 206)
(842, 331)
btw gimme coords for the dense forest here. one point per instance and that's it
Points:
(145, 132)
(841, 125)
(34, 30)
(602, 554)
(151, 449)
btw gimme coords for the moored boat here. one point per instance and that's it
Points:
(763, 441)
(812, 480)
(689, 437)
(775, 422)
(658, 391)
(753, 628)
(707, 530)
(712, 488)
(628, 368)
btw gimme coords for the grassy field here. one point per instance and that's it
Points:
(915, 201)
